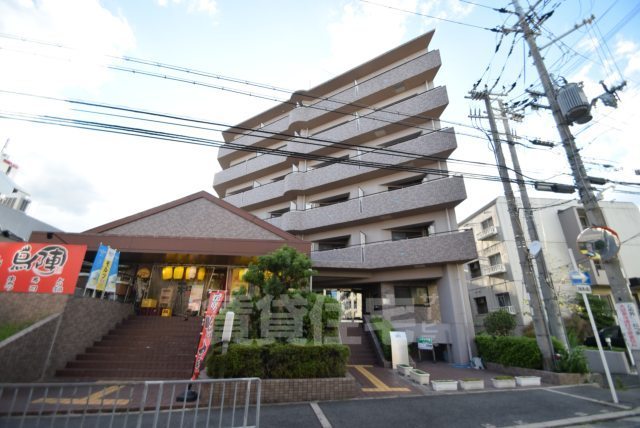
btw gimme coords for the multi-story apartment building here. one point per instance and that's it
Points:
(495, 278)
(361, 172)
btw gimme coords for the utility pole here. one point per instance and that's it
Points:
(619, 286)
(550, 301)
(543, 337)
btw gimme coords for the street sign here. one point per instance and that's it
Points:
(425, 343)
(581, 280)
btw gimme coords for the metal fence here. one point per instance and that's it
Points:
(201, 403)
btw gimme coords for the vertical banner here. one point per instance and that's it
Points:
(103, 275)
(92, 282)
(40, 268)
(113, 274)
(629, 324)
(216, 298)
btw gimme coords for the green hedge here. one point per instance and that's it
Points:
(279, 361)
(383, 329)
(513, 351)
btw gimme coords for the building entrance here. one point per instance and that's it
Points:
(350, 302)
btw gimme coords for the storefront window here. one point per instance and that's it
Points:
(237, 283)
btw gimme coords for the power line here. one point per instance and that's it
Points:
(430, 16)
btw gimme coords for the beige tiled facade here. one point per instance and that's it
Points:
(361, 172)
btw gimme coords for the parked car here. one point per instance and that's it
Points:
(613, 332)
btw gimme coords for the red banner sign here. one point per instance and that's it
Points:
(216, 298)
(40, 268)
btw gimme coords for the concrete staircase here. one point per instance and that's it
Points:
(360, 344)
(141, 347)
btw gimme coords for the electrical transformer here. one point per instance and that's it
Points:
(574, 105)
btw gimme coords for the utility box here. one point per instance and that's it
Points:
(574, 105)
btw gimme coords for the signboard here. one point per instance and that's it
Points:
(581, 280)
(216, 298)
(195, 297)
(629, 324)
(425, 343)
(40, 268)
(399, 350)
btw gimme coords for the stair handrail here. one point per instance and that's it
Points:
(368, 328)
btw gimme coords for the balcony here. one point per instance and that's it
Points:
(414, 111)
(509, 309)
(451, 247)
(373, 90)
(487, 233)
(429, 196)
(249, 170)
(497, 269)
(260, 137)
(439, 143)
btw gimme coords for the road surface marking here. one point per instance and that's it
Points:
(593, 400)
(324, 422)
(95, 398)
(379, 385)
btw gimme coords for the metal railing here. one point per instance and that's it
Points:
(163, 403)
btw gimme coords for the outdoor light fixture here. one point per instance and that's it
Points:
(178, 272)
(201, 273)
(190, 273)
(167, 273)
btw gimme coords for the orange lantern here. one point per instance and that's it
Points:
(202, 271)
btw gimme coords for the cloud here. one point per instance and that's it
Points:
(209, 7)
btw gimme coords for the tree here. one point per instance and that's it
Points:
(602, 313)
(279, 271)
(500, 323)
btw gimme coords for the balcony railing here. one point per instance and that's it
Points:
(508, 309)
(487, 233)
(494, 269)
(451, 247)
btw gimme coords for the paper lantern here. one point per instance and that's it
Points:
(201, 273)
(191, 272)
(167, 273)
(178, 272)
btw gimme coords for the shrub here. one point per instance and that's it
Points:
(279, 361)
(513, 351)
(500, 323)
(382, 328)
(9, 329)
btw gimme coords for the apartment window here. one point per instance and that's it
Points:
(486, 223)
(481, 305)
(278, 213)
(331, 200)
(495, 259)
(333, 243)
(407, 296)
(273, 180)
(503, 299)
(412, 231)
(407, 182)
(474, 269)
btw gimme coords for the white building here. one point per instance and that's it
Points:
(495, 278)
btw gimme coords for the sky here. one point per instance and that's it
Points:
(53, 50)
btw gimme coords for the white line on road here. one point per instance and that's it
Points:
(581, 420)
(593, 400)
(324, 422)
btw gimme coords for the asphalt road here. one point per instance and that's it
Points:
(584, 405)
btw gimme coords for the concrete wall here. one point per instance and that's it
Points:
(27, 307)
(79, 323)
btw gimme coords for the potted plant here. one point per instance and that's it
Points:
(503, 382)
(444, 385)
(528, 380)
(420, 376)
(471, 383)
(404, 369)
